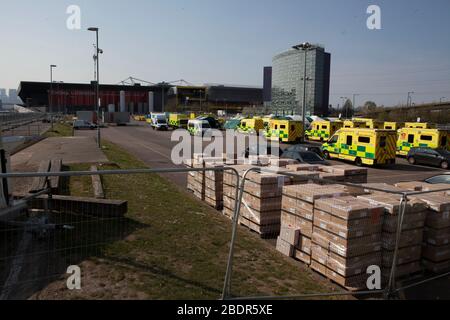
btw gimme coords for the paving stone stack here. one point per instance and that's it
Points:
(345, 173)
(410, 245)
(298, 212)
(346, 239)
(207, 186)
(436, 254)
(196, 180)
(262, 199)
(214, 186)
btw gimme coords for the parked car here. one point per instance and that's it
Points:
(83, 124)
(427, 156)
(442, 178)
(305, 157)
(306, 147)
(255, 150)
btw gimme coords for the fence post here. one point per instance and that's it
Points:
(390, 290)
(240, 186)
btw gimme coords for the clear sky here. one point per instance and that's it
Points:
(230, 41)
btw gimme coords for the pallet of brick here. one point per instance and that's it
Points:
(298, 208)
(346, 239)
(281, 163)
(195, 179)
(436, 252)
(214, 186)
(412, 233)
(419, 186)
(303, 167)
(262, 199)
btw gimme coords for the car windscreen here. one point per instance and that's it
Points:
(445, 179)
(310, 156)
(161, 121)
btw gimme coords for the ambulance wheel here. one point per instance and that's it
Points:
(444, 165)
(358, 162)
(326, 155)
(412, 161)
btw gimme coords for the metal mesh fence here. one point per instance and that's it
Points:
(334, 231)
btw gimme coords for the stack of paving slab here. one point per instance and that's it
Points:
(262, 198)
(436, 250)
(347, 239)
(208, 185)
(412, 232)
(297, 217)
(344, 173)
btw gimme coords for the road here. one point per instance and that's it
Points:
(155, 148)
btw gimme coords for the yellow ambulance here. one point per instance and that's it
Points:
(251, 126)
(393, 125)
(322, 130)
(421, 138)
(420, 125)
(362, 146)
(284, 130)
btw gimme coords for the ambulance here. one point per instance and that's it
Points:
(421, 138)
(322, 130)
(284, 130)
(355, 124)
(370, 123)
(178, 120)
(420, 125)
(251, 126)
(363, 146)
(393, 125)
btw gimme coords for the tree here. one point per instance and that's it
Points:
(347, 109)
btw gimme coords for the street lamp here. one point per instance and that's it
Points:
(354, 100)
(50, 102)
(97, 91)
(344, 100)
(306, 46)
(409, 101)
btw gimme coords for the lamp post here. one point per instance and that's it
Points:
(354, 100)
(344, 100)
(97, 91)
(305, 47)
(409, 101)
(50, 101)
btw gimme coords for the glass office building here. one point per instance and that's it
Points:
(287, 81)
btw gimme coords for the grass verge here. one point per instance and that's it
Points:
(59, 130)
(177, 248)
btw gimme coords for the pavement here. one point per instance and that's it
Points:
(71, 150)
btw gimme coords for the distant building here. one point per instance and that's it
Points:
(13, 98)
(267, 89)
(3, 95)
(214, 97)
(288, 86)
(73, 97)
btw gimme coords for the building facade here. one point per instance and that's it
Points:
(288, 72)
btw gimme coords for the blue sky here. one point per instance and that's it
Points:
(230, 41)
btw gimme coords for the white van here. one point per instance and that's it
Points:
(198, 127)
(158, 121)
